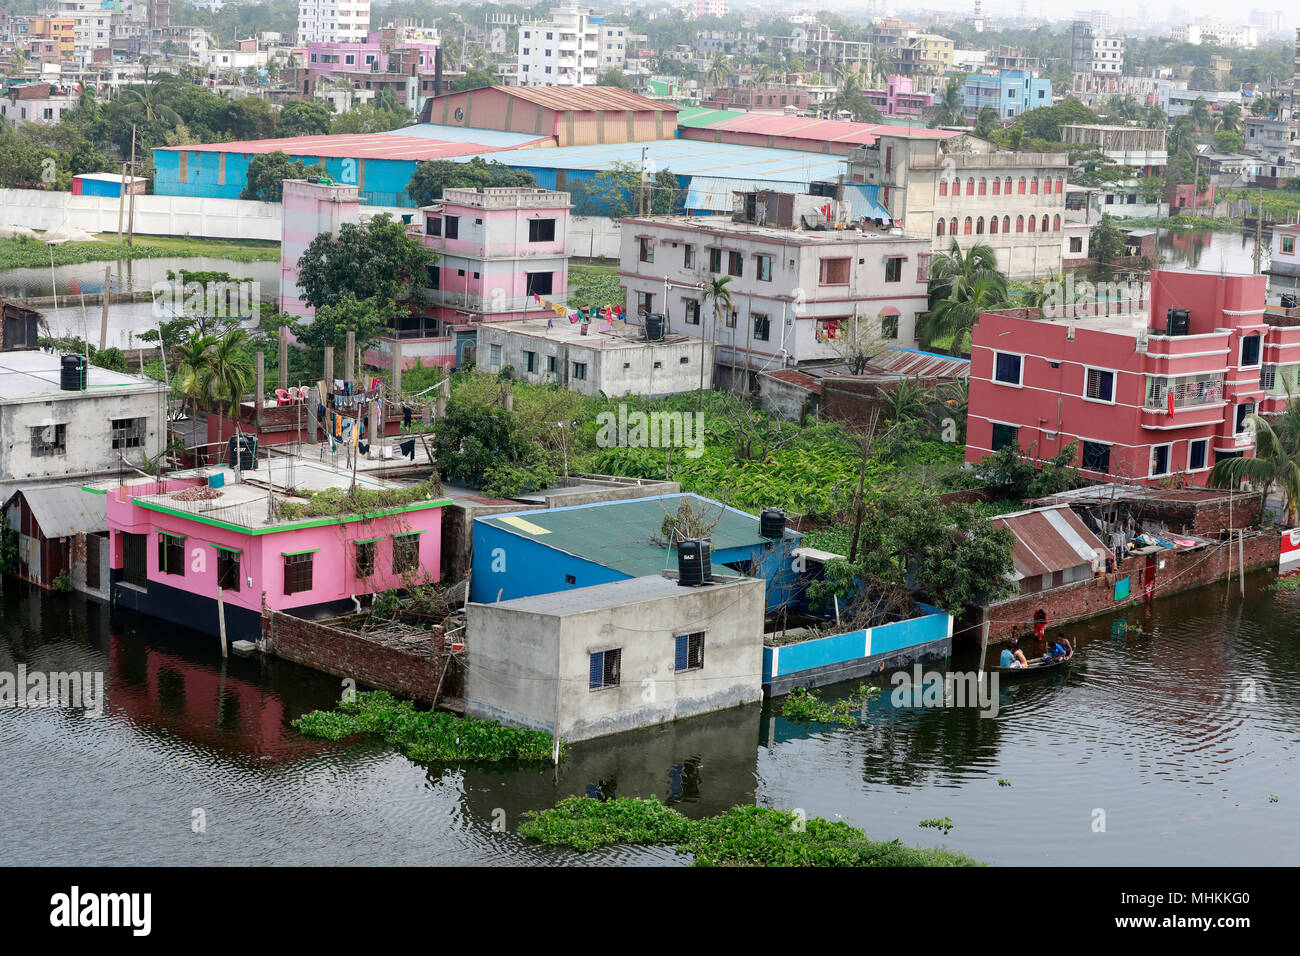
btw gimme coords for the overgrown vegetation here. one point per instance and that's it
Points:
(743, 836)
(26, 252)
(807, 705)
(358, 500)
(426, 736)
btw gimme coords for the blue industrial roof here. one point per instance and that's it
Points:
(685, 157)
(462, 134)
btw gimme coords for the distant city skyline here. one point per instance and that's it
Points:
(1037, 9)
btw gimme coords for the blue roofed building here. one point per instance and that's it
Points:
(541, 552)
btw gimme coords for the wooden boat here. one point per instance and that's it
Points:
(1037, 667)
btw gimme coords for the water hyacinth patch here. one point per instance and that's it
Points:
(426, 736)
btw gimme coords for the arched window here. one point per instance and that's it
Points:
(939, 230)
(1022, 185)
(970, 186)
(1056, 223)
(984, 185)
(1032, 221)
(966, 229)
(1060, 184)
(1044, 223)
(1033, 185)
(997, 186)
(1006, 223)
(979, 226)
(993, 225)
(952, 226)
(1006, 185)
(943, 187)
(1020, 221)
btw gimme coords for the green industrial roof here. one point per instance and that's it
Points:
(617, 535)
(704, 116)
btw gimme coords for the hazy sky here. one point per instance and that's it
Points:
(1154, 11)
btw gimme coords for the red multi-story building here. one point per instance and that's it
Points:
(1160, 385)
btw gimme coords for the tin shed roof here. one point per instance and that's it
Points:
(618, 534)
(1048, 540)
(65, 510)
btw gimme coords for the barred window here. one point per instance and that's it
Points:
(171, 553)
(688, 653)
(297, 572)
(128, 432)
(49, 440)
(365, 558)
(406, 553)
(606, 669)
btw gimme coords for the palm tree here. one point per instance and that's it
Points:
(719, 69)
(149, 100)
(962, 284)
(1276, 451)
(1230, 118)
(717, 291)
(955, 318)
(230, 373)
(194, 369)
(950, 105)
(987, 122)
(1200, 113)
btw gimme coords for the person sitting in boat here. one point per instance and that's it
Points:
(1062, 642)
(1060, 648)
(1013, 656)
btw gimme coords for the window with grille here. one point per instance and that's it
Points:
(128, 432)
(135, 560)
(1100, 385)
(297, 572)
(530, 361)
(49, 440)
(1005, 436)
(406, 553)
(889, 326)
(171, 554)
(1096, 457)
(606, 668)
(762, 326)
(227, 570)
(645, 303)
(541, 230)
(715, 260)
(364, 555)
(688, 652)
(1006, 368)
(735, 263)
(894, 269)
(834, 272)
(1267, 376)
(692, 311)
(1159, 460)
(580, 371)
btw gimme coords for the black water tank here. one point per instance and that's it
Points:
(1178, 322)
(654, 326)
(771, 523)
(247, 445)
(72, 373)
(693, 564)
(1288, 300)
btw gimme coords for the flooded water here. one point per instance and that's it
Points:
(1180, 723)
(1226, 252)
(126, 320)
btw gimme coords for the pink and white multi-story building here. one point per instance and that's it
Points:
(1160, 385)
(332, 20)
(308, 209)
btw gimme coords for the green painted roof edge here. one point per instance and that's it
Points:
(298, 525)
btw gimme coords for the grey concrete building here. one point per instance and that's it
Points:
(615, 657)
(49, 434)
(613, 358)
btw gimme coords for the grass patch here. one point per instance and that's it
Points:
(24, 252)
(743, 836)
(594, 286)
(338, 501)
(425, 736)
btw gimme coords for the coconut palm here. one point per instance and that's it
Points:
(194, 369)
(955, 318)
(230, 373)
(1277, 448)
(950, 105)
(718, 292)
(149, 100)
(719, 70)
(1200, 113)
(1230, 118)
(953, 273)
(987, 122)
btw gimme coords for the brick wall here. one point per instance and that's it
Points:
(1090, 598)
(409, 673)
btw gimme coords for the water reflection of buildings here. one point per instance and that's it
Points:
(701, 767)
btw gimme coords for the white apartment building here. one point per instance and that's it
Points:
(333, 21)
(711, 8)
(1217, 33)
(572, 48)
(1093, 51)
(797, 278)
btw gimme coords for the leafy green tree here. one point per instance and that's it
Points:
(373, 258)
(614, 77)
(472, 438)
(962, 284)
(365, 317)
(304, 118)
(987, 122)
(1275, 464)
(474, 79)
(431, 178)
(1046, 121)
(1106, 242)
(615, 192)
(1228, 141)
(268, 171)
(369, 118)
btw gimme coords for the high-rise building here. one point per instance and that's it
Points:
(1093, 51)
(333, 21)
(572, 48)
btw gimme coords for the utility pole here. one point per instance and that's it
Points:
(1259, 232)
(1196, 185)
(130, 228)
(641, 191)
(103, 316)
(121, 204)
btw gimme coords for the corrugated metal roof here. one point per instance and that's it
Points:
(693, 117)
(65, 510)
(468, 134)
(687, 157)
(793, 377)
(1048, 540)
(594, 98)
(359, 146)
(819, 130)
(912, 362)
(618, 534)
(863, 203)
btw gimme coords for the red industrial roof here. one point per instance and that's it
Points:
(911, 363)
(586, 98)
(792, 377)
(358, 145)
(1048, 540)
(826, 131)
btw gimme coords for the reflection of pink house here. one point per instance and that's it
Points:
(1180, 196)
(1147, 390)
(174, 543)
(899, 98)
(501, 254)
(308, 209)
